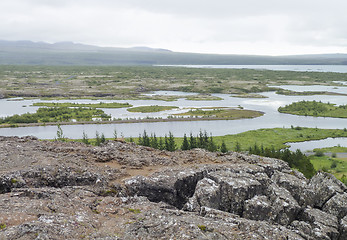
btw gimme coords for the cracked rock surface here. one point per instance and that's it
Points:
(67, 190)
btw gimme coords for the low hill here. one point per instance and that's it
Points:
(68, 53)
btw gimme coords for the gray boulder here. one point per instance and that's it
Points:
(207, 193)
(324, 225)
(343, 228)
(324, 186)
(235, 189)
(337, 205)
(284, 206)
(303, 228)
(173, 187)
(294, 184)
(258, 208)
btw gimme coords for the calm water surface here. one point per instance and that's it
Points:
(272, 117)
(310, 145)
(299, 68)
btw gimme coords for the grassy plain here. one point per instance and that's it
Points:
(336, 166)
(332, 161)
(277, 137)
(121, 82)
(336, 149)
(272, 137)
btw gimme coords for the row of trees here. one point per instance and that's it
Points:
(168, 143)
(202, 140)
(295, 159)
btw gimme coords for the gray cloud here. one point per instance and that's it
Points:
(223, 26)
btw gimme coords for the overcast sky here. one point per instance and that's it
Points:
(269, 27)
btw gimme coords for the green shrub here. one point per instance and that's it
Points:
(136, 211)
(319, 153)
(202, 228)
(2, 226)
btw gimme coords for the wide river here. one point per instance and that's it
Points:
(272, 118)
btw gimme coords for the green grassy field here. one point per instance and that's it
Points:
(336, 149)
(277, 137)
(334, 165)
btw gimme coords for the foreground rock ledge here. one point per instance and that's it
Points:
(59, 190)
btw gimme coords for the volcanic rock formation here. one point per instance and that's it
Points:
(69, 190)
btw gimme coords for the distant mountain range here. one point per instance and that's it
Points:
(68, 53)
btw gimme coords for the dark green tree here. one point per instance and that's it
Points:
(102, 138)
(161, 144)
(170, 143)
(97, 139)
(223, 147)
(192, 142)
(185, 143)
(212, 147)
(154, 141)
(140, 140)
(145, 139)
(237, 147)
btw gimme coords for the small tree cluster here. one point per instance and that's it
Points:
(167, 143)
(295, 159)
(99, 139)
(202, 140)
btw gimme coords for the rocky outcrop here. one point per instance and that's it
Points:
(282, 197)
(60, 190)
